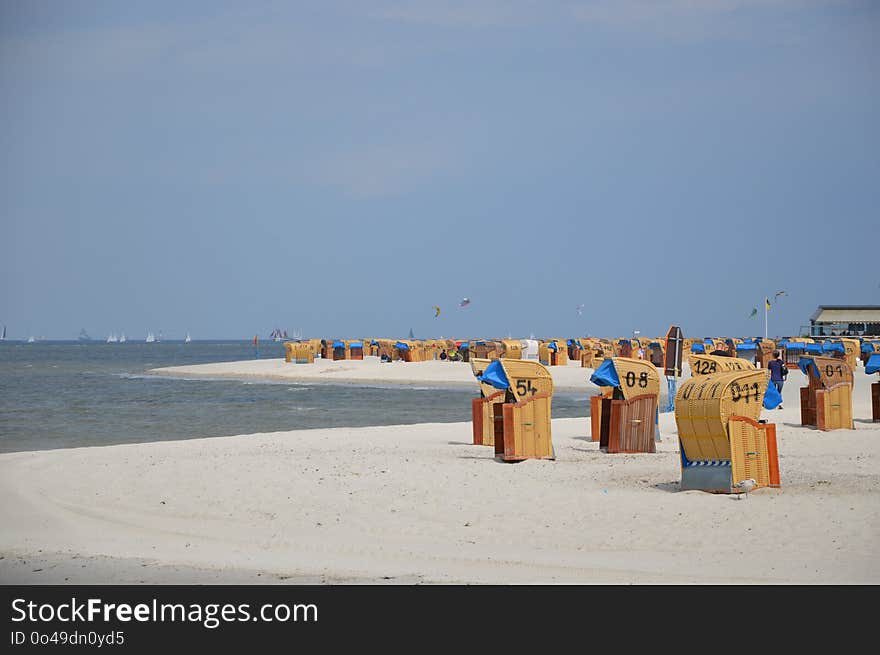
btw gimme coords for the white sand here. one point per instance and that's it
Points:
(367, 370)
(419, 503)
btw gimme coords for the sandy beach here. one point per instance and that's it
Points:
(367, 371)
(421, 504)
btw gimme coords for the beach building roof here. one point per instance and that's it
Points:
(845, 319)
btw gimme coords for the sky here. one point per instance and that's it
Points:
(339, 168)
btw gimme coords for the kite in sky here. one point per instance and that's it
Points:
(464, 302)
(779, 293)
(580, 310)
(436, 311)
(754, 311)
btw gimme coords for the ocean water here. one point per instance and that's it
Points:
(63, 394)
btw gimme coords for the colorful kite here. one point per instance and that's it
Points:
(464, 302)
(754, 311)
(436, 311)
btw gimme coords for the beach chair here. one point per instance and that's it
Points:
(826, 401)
(655, 353)
(355, 349)
(748, 351)
(523, 432)
(873, 366)
(552, 352)
(299, 352)
(511, 349)
(627, 417)
(340, 350)
(764, 355)
(867, 349)
(722, 440)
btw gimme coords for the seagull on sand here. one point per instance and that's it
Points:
(744, 487)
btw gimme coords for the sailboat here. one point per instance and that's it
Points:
(83, 336)
(3, 336)
(122, 338)
(112, 338)
(30, 339)
(150, 337)
(188, 338)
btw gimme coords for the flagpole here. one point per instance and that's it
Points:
(765, 319)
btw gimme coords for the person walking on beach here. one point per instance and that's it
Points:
(778, 372)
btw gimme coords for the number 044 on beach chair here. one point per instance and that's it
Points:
(521, 420)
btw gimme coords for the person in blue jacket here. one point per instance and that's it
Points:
(778, 373)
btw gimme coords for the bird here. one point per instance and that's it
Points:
(744, 486)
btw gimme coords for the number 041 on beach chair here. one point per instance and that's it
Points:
(520, 416)
(826, 402)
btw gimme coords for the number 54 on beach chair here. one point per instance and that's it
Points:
(515, 400)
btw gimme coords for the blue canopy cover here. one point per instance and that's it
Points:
(494, 375)
(606, 374)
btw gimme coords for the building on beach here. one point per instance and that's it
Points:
(845, 320)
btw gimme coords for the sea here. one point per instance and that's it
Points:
(69, 394)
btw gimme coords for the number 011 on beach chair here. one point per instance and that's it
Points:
(722, 439)
(520, 417)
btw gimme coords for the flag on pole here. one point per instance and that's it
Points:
(779, 293)
(767, 303)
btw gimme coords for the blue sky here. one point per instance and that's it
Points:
(342, 167)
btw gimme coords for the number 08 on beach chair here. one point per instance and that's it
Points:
(520, 415)
(721, 437)
(626, 419)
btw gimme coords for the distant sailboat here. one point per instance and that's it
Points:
(150, 337)
(112, 339)
(122, 338)
(188, 338)
(30, 339)
(3, 336)
(83, 335)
